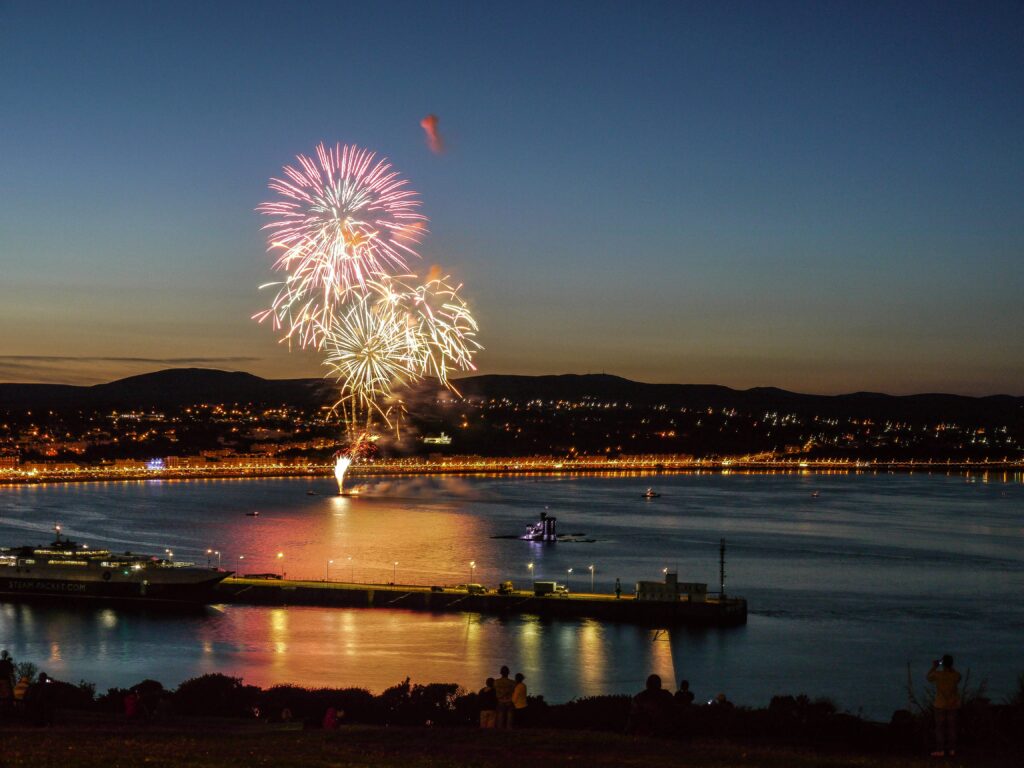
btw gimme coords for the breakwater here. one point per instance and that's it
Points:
(731, 611)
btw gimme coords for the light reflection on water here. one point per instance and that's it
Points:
(844, 588)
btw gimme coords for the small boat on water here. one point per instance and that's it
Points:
(542, 530)
(68, 570)
(815, 494)
(254, 513)
(650, 493)
(311, 492)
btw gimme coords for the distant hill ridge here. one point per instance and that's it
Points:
(186, 386)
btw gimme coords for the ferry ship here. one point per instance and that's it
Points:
(66, 569)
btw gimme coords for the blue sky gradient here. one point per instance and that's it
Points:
(820, 196)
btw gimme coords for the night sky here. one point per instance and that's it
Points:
(825, 197)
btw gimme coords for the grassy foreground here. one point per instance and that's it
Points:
(113, 744)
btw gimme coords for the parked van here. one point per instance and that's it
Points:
(541, 588)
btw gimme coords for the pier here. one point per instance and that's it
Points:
(711, 611)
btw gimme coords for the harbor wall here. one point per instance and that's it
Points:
(713, 612)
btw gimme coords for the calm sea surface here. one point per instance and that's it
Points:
(845, 589)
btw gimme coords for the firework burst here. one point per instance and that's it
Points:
(340, 220)
(343, 229)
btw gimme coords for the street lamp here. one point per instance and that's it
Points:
(472, 570)
(529, 567)
(591, 568)
(217, 553)
(394, 575)
(568, 573)
(327, 570)
(280, 557)
(352, 568)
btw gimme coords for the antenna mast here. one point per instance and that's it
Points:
(721, 568)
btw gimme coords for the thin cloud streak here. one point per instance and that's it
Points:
(89, 359)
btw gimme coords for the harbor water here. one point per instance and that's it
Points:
(850, 578)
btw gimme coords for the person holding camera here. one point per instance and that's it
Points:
(947, 705)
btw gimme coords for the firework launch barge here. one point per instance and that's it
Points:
(644, 607)
(70, 571)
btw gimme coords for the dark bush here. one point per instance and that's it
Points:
(215, 695)
(67, 696)
(406, 704)
(593, 713)
(305, 704)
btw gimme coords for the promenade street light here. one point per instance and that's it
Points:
(529, 567)
(280, 558)
(472, 570)
(394, 576)
(327, 570)
(217, 553)
(591, 567)
(568, 574)
(352, 569)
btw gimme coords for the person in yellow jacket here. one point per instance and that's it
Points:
(519, 699)
(947, 705)
(21, 688)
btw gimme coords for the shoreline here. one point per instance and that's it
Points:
(500, 467)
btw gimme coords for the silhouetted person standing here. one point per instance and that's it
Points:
(947, 705)
(6, 683)
(504, 688)
(488, 701)
(39, 700)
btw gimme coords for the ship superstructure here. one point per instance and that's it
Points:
(65, 568)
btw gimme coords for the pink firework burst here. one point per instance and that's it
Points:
(342, 219)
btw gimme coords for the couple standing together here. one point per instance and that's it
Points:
(502, 701)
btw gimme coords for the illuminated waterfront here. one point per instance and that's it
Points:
(844, 588)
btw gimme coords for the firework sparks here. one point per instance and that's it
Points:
(341, 219)
(343, 230)
(439, 326)
(370, 351)
(434, 140)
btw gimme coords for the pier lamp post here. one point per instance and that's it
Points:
(529, 567)
(591, 569)
(280, 557)
(394, 574)
(352, 568)
(472, 570)
(217, 553)
(568, 574)
(327, 570)
(209, 554)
